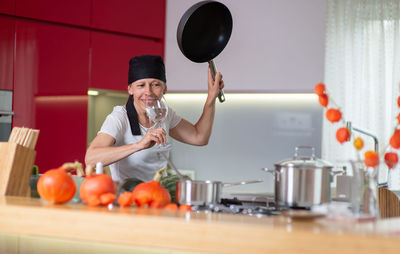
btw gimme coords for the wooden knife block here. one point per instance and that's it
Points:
(16, 164)
(389, 203)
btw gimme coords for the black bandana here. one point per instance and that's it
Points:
(146, 66)
(132, 116)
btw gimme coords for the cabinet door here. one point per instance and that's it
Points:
(7, 6)
(52, 59)
(50, 86)
(62, 122)
(76, 12)
(7, 28)
(110, 58)
(143, 18)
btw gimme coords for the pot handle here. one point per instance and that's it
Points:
(296, 152)
(241, 183)
(273, 172)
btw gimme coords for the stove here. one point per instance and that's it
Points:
(236, 206)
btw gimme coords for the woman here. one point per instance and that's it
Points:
(126, 141)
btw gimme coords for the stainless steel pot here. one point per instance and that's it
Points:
(202, 192)
(302, 181)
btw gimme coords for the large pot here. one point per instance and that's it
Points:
(302, 181)
(202, 192)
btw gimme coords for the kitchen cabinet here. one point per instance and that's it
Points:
(110, 58)
(51, 52)
(7, 6)
(75, 12)
(50, 86)
(62, 122)
(53, 59)
(139, 18)
(7, 28)
(276, 46)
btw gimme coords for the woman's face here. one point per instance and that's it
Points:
(143, 89)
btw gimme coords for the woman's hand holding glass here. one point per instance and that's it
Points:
(152, 137)
(157, 111)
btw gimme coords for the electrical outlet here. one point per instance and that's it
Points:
(293, 121)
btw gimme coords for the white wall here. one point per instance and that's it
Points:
(276, 46)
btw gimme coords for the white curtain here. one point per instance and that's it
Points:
(362, 71)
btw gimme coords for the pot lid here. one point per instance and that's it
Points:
(304, 161)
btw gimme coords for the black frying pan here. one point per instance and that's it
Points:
(203, 32)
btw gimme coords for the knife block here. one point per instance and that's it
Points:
(16, 162)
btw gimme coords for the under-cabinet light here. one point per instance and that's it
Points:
(93, 92)
(246, 96)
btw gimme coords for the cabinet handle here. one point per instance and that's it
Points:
(6, 113)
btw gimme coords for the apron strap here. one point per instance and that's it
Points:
(132, 116)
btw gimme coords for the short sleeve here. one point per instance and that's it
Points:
(174, 118)
(111, 126)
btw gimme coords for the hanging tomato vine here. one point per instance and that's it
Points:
(343, 134)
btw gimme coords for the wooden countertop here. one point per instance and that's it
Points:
(196, 232)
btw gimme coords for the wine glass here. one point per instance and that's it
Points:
(157, 111)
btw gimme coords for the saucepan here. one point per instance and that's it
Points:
(199, 192)
(203, 32)
(203, 192)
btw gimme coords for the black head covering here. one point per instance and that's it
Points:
(140, 67)
(146, 66)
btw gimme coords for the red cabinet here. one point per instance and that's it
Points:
(7, 6)
(142, 18)
(7, 28)
(62, 122)
(110, 58)
(52, 59)
(50, 65)
(76, 12)
(50, 84)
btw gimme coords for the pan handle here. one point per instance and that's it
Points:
(240, 183)
(213, 69)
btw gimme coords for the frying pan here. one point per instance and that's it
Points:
(203, 32)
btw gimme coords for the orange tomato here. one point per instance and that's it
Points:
(395, 139)
(96, 185)
(107, 198)
(56, 186)
(185, 208)
(358, 143)
(125, 199)
(342, 135)
(391, 159)
(92, 200)
(171, 207)
(333, 115)
(371, 159)
(398, 101)
(152, 194)
(323, 100)
(319, 88)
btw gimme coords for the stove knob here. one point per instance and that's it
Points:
(234, 208)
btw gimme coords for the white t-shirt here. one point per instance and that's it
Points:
(142, 164)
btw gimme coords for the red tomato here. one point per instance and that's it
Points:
(319, 88)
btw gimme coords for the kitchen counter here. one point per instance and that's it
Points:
(164, 231)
